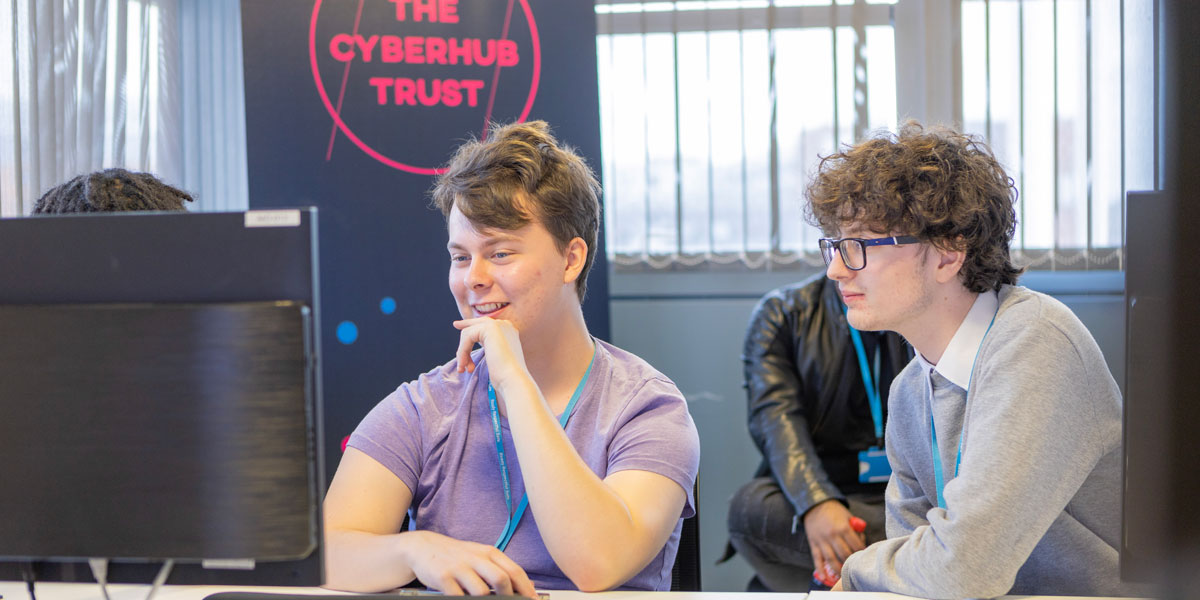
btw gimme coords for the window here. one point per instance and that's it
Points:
(148, 85)
(713, 114)
(1064, 91)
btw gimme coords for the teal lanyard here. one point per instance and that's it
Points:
(872, 384)
(939, 478)
(514, 518)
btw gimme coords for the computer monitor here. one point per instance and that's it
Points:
(160, 397)
(1149, 245)
(1161, 541)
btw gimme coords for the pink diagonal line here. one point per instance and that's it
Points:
(342, 93)
(487, 116)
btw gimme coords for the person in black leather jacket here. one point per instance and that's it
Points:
(810, 417)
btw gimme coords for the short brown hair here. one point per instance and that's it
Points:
(944, 187)
(489, 180)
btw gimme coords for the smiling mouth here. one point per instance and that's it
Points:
(489, 308)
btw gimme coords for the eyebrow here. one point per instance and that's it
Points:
(489, 240)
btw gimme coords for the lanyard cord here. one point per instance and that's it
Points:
(939, 478)
(872, 384)
(514, 518)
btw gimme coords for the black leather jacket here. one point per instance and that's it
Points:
(808, 409)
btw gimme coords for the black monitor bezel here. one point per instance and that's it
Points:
(164, 258)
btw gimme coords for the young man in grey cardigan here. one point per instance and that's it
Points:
(1005, 430)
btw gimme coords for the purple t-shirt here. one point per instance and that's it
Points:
(436, 435)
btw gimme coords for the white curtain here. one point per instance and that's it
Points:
(148, 85)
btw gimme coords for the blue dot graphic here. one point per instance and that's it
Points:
(347, 332)
(387, 305)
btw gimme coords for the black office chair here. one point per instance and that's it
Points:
(685, 574)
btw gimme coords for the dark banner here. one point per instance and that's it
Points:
(352, 106)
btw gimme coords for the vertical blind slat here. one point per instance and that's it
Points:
(1059, 196)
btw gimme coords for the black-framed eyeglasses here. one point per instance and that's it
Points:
(854, 250)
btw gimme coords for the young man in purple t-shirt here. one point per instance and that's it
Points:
(597, 443)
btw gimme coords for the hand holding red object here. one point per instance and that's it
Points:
(828, 577)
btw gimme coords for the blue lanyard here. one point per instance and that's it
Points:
(510, 526)
(939, 478)
(872, 384)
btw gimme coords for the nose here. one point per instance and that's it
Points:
(836, 269)
(477, 275)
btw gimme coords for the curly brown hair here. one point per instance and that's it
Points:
(942, 186)
(519, 173)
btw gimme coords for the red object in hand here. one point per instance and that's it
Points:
(829, 579)
(823, 578)
(858, 524)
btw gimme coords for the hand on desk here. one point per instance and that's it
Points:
(831, 538)
(455, 567)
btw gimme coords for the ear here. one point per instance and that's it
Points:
(949, 262)
(576, 255)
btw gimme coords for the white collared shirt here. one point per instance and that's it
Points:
(959, 357)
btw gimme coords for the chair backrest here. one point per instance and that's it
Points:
(685, 574)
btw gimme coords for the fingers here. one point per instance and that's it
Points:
(829, 551)
(466, 342)
(480, 570)
(472, 583)
(832, 539)
(497, 578)
(471, 332)
(465, 323)
(827, 560)
(501, 342)
(833, 566)
(836, 552)
(841, 550)
(857, 541)
(521, 583)
(447, 585)
(525, 587)
(819, 573)
(468, 579)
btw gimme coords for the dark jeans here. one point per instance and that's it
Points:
(760, 528)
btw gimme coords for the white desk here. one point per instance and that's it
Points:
(883, 596)
(15, 590)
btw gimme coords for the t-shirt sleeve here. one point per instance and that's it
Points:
(657, 435)
(391, 434)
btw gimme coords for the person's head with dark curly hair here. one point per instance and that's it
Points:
(111, 190)
(932, 194)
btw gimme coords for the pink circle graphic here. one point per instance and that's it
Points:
(373, 153)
